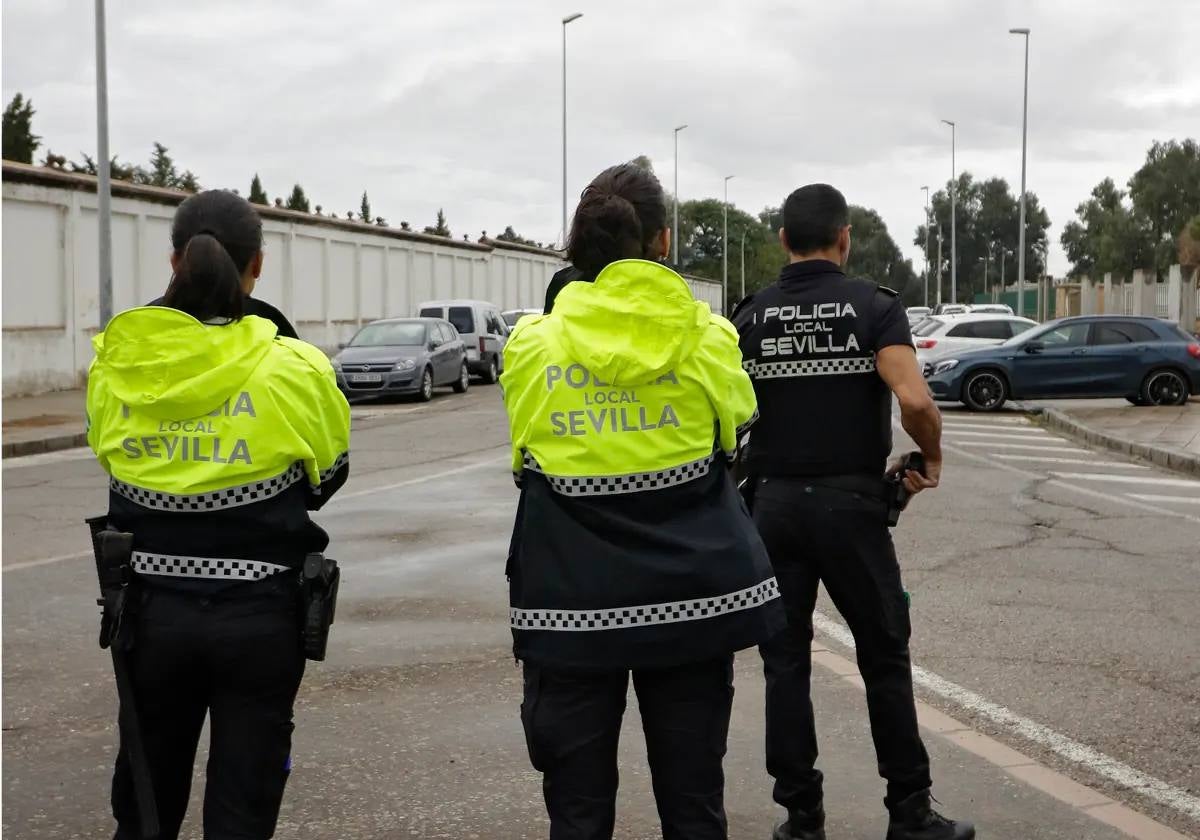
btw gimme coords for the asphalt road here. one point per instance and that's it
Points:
(1050, 587)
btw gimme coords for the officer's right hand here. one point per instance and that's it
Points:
(916, 482)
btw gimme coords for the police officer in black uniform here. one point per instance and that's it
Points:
(827, 353)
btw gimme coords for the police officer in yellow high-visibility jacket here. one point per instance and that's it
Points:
(632, 549)
(218, 438)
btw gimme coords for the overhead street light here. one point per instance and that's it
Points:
(675, 231)
(1024, 135)
(953, 213)
(565, 21)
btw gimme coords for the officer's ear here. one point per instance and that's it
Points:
(662, 244)
(844, 244)
(251, 274)
(783, 240)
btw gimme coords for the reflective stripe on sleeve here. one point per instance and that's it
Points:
(599, 485)
(645, 614)
(244, 494)
(208, 568)
(339, 462)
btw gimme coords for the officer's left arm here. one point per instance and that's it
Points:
(95, 415)
(523, 373)
(729, 387)
(321, 416)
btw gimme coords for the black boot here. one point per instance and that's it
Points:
(914, 819)
(802, 825)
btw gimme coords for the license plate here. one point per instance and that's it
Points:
(366, 377)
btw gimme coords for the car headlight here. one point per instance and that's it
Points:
(407, 364)
(945, 365)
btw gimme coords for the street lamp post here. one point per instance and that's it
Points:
(926, 189)
(675, 229)
(725, 247)
(939, 273)
(1003, 279)
(1024, 134)
(743, 295)
(104, 184)
(953, 234)
(565, 21)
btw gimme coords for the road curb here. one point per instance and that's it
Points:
(47, 444)
(1169, 458)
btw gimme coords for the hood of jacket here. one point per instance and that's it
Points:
(633, 324)
(171, 366)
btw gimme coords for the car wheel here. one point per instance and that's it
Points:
(985, 390)
(426, 392)
(1136, 399)
(464, 380)
(492, 376)
(1165, 387)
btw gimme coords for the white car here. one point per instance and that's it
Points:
(482, 329)
(951, 309)
(991, 308)
(511, 316)
(939, 335)
(917, 314)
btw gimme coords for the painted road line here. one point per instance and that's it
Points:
(476, 465)
(1080, 461)
(1130, 479)
(1175, 500)
(1016, 764)
(1037, 447)
(1004, 434)
(1069, 749)
(1003, 430)
(983, 418)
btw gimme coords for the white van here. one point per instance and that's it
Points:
(482, 329)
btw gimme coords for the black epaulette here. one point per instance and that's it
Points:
(887, 291)
(742, 304)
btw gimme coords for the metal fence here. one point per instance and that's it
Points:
(1161, 298)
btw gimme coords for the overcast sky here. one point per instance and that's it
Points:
(456, 103)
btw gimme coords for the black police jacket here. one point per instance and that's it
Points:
(809, 343)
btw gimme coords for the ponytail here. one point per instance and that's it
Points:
(207, 284)
(619, 216)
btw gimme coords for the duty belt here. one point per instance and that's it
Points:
(864, 485)
(206, 568)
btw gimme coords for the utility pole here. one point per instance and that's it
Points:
(675, 232)
(743, 297)
(725, 247)
(565, 21)
(104, 184)
(927, 222)
(953, 214)
(1024, 136)
(939, 271)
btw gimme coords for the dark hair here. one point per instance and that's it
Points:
(228, 217)
(215, 235)
(207, 283)
(812, 217)
(619, 216)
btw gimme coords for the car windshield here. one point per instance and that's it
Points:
(398, 334)
(928, 327)
(511, 318)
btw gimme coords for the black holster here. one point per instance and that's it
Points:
(118, 622)
(319, 590)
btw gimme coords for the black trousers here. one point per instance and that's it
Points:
(238, 659)
(819, 535)
(572, 725)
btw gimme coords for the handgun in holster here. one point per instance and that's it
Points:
(319, 590)
(898, 495)
(118, 620)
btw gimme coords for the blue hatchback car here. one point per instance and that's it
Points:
(1148, 361)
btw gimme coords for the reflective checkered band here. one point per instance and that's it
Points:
(745, 427)
(811, 367)
(646, 614)
(208, 568)
(341, 461)
(600, 485)
(245, 494)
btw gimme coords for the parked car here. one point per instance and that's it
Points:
(402, 356)
(991, 308)
(939, 336)
(1148, 361)
(951, 309)
(482, 329)
(917, 314)
(513, 315)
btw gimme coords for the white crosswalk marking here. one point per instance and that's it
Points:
(1152, 497)
(1002, 435)
(1080, 461)
(1130, 479)
(1004, 430)
(1038, 447)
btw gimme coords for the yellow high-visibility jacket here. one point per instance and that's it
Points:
(218, 440)
(632, 547)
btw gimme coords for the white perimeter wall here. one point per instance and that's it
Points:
(327, 276)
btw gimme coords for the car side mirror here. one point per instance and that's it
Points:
(433, 345)
(1035, 346)
(342, 345)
